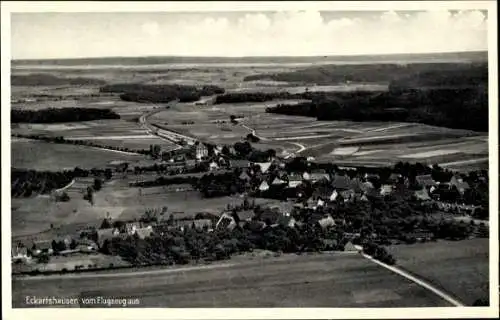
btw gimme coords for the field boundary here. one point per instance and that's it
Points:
(417, 281)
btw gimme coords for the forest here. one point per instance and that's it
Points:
(41, 79)
(164, 93)
(420, 74)
(464, 108)
(57, 115)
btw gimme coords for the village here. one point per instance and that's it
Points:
(328, 207)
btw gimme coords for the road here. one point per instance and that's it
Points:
(164, 134)
(302, 148)
(321, 280)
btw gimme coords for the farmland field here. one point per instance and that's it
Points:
(461, 268)
(328, 280)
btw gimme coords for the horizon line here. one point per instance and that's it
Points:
(243, 57)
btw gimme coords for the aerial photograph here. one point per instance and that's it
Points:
(260, 159)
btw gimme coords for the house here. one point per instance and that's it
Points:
(42, 247)
(349, 246)
(270, 216)
(334, 195)
(422, 195)
(356, 185)
(459, 183)
(201, 151)
(264, 166)
(277, 182)
(347, 195)
(394, 178)
(286, 220)
(341, 182)
(226, 221)
(294, 183)
(130, 227)
(306, 176)
(326, 222)
(329, 244)
(106, 234)
(372, 176)
(20, 253)
(86, 246)
(425, 181)
(421, 235)
(385, 189)
(320, 203)
(239, 163)
(317, 177)
(244, 176)
(254, 225)
(213, 166)
(144, 232)
(264, 186)
(246, 215)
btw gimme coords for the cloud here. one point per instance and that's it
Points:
(308, 33)
(252, 34)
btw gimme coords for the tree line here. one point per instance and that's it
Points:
(25, 183)
(55, 115)
(88, 143)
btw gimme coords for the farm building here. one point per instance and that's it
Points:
(341, 182)
(326, 222)
(459, 183)
(226, 221)
(425, 180)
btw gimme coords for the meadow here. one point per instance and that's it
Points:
(461, 268)
(291, 281)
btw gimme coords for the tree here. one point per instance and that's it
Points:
(108, 174)
(73, 244)
(43, 259)
(105, 224)
(97, 184)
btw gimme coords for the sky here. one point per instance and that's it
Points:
(233, 34)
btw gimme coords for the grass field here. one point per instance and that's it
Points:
(32, 217)
(40, 155)
(461, 268)
(328, 280)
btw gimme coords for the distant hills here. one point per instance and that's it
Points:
(472, 56)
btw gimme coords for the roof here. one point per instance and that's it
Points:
(294, 184)
(326, 222)
(394, 177)
(341, 182)
(246, 214)
(334, 195)
(385, 189)
(43, 244)
(198, 223)
(350, 247)
(422, 195)
(225, 221)
(286, 220)
(264, 166)
(144, 232)
(356, 185)
(244, 176)
(278, 181)
(425, 180)
(270, 216)
(319, 176)
(255, 225)
(458, 182)
(264, 186)
(239, 163)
